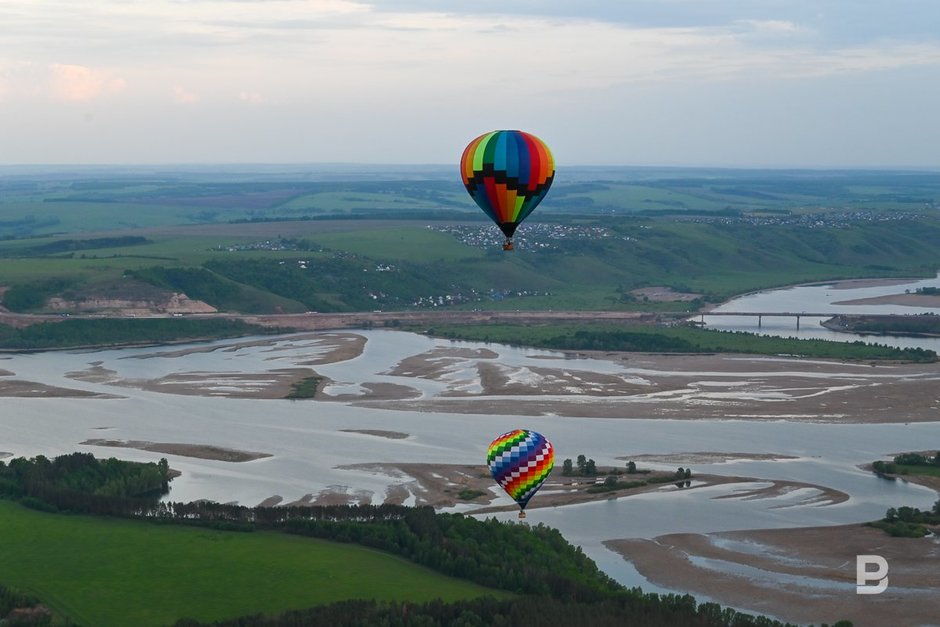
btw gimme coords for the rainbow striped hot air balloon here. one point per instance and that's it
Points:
(507, 173)
(520, 461)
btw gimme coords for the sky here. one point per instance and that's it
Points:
(726, 83)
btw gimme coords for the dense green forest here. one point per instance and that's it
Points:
(536, 563)
(679, 339)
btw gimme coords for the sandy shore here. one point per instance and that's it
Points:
(907, 300)
(18, 388)
(391, 435)
(200, 451)
(800, 575)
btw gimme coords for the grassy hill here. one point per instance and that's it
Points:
(103, 572)
(583, 263)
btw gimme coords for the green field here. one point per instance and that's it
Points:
(103, 572)
(599, 234)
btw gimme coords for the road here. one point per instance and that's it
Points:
(382, 319)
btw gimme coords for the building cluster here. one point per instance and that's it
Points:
(529, 237)
(279, 244)
(827, 219)
(473, 296)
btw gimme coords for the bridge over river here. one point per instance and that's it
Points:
(760, 315)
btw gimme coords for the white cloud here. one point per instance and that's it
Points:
(184, 96)
(773, 27)
(251, 97)
(78, 83)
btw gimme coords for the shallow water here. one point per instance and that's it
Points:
(309, 449)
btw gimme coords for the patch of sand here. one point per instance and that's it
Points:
(334, 495)
(799, 575)
(272, 384)
(6, 373)
(906, 300)
(438, 362)
(392, 435)
(200, 451)
(371, 391)
(18, 388)
(706, 458)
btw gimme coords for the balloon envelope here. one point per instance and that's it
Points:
(520, 461)
(507, 173)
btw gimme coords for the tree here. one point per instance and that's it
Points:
(590, 468)
(680, 474)
(582, 462)
(631, 468)
(567, 468)
(610, 481)
(688, 473)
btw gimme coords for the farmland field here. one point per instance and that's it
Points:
(116, 572)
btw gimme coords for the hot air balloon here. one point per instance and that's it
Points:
(507, 173)
(520, 461)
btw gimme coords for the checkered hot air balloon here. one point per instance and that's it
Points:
(520, 461)
(507, 173)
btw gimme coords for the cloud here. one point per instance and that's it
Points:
(183, 96)
(78, 83)
(251, 97)
(773, 27)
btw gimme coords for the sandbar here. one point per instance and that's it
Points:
(702, 457)
(391, 435)
(802, 575)
(907, 300)
(19, 388)
(441, 485)
(200, 451)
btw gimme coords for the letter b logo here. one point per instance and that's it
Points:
(863, 575)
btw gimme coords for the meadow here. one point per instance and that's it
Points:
(104, 571)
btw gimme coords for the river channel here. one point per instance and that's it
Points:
(311, 444)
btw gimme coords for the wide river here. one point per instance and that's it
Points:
(309, 442)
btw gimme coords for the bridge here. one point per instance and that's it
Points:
(760, 315)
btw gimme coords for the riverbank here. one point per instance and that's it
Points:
(802, 575)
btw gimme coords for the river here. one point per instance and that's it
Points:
(310, 442)
(821, 297)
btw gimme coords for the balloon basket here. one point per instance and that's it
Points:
(507, 245)
(521, 515)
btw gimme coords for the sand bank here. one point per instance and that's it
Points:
(906, 300)
(799, 575)
(200, 451)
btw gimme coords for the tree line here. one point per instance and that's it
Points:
(113, 331)
(558, 584)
